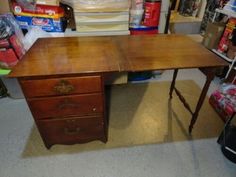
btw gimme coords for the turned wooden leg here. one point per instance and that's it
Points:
(210, 76)
(173, 82)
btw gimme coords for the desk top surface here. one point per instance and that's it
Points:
(76, 55)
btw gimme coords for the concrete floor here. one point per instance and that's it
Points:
(186, 74)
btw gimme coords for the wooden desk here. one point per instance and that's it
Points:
(63, 78)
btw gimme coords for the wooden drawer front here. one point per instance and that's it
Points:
(76, 105)
(71, 130)
(61, 86)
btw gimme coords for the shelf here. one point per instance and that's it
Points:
(230, 13)
(224, 57)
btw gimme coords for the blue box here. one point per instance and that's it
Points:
(234, 5)
(47, 24)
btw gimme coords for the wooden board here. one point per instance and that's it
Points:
(80, 55)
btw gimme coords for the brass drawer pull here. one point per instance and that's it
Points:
(72, 131)
(68, 104)
(64, 87)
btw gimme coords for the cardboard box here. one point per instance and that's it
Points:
(4, 7)
(39, 11)
(8, 58)
(47, 24)
(231, 52)
(213, 34)
(11, 50)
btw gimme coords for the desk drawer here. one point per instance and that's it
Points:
(61, 86)
(71, 130)
(76, 105)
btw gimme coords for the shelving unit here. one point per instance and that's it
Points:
(223, 56)
(231, 61)
(229, 13)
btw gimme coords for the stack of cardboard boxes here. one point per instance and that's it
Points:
(46, 14)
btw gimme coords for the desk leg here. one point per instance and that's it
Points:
(173, 82)
(210, 76)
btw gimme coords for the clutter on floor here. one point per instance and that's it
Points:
(11, 45)
(223, 101)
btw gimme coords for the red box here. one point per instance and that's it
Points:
(39, 11)
(17, 45)
(4, 43)
(141, 32)
(8, 58)
(224, 41)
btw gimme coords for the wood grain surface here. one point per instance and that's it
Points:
(80, 55)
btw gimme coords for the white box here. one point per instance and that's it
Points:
(92, 27)
(101, 17)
